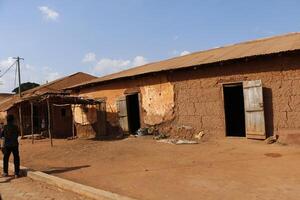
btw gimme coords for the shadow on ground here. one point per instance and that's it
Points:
(58, 170)
(6, 180)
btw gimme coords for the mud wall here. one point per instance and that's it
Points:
(61, 121)
(3, 117)
(85, 120)
(157, 99)
(187, 102)
(199, 101)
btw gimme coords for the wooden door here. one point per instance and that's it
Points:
(101, 119)
(122, 114)
(254, 110)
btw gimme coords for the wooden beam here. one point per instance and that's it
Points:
(49, 122)
(32, 135)
(73, 121)
(20, 120)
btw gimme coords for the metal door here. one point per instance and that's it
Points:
(122, 114)
(254, 109)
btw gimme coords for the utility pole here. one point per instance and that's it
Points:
(20, 108)
(19, 73)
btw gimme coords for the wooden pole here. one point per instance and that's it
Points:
(32, 135)
(99, 120)
(73, 121)
(49, 122)
(20, 119)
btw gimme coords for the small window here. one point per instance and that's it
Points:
(63, 112)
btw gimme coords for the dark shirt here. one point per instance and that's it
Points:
(10, 134)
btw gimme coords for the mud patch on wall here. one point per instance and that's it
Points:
(85, 115)
(157, 103)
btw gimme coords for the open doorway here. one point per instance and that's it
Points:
(133, 112)
(234, 110)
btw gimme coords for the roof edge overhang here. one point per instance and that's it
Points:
(240, 59)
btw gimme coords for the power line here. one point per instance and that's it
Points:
(15, 83)
(7, 69)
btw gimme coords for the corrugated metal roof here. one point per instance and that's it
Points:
(5, 95)
(53, 87)
(271, 45)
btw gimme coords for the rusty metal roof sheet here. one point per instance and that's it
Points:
(271, 45)
(53, 87)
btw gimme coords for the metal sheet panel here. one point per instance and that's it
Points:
(254, 109)
(265, 46)
(122, 114)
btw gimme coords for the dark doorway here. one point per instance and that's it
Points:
(133, 112)
(234, 110)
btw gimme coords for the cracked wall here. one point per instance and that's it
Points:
(199, 101)
(157, 99)
(189, 102)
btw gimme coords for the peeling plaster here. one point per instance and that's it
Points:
(157, 102)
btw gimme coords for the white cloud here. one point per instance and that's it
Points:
(184, 53)
(48, 14)
(107, 66)
(6, 62)
(49, 75)
(138, 61)
(7, 81)
(178, 53)
(29, 73)
(89, 57)
(174, 52)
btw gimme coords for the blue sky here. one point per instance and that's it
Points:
(60, 37)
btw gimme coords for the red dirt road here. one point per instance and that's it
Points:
(145, 169)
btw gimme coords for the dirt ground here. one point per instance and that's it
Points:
(26, 189)
(232, 168)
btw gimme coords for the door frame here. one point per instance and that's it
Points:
(223, 104)
(140, 107)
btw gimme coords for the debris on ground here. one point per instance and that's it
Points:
(184, 127)
(152, 131)
(271, 140)
(177, 141)
(182, 132)
(199, 135)
(146, 131)
(72, 138)
(142, 132)
(160, 136)
(35, 137)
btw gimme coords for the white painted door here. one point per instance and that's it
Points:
(254, 110)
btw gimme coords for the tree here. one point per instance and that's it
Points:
(25, 86)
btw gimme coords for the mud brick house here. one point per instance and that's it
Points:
(3, 97)
(48, 109)
(250, 89)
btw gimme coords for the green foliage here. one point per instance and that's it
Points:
(25, 86)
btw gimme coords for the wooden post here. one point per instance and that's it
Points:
(49, 122)
(32, 135)
(20, 120)
(73, 121)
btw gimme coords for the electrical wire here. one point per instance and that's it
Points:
(7, 69)
(16, 70)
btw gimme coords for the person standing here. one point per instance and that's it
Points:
(10, 135)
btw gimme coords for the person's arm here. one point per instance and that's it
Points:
(2, 138)
(2, 133)
(18, 131)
